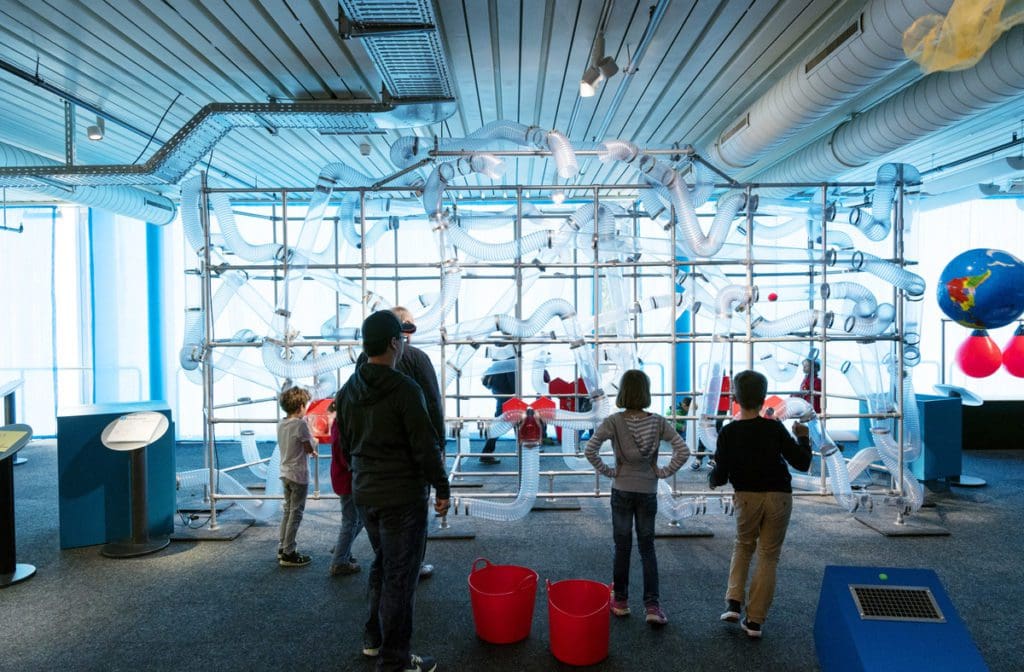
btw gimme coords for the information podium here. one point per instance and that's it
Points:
(12, 439)
(94, 491)
(132, 434)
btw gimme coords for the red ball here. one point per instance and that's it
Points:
(1013, 354)
(773, 296)
(979, 356)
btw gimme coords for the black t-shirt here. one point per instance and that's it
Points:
(752, 455)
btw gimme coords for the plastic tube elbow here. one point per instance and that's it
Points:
(564, 156)
(618, 150)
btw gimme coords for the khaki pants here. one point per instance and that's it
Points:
(761, 522)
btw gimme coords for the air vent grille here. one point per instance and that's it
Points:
(896, 603)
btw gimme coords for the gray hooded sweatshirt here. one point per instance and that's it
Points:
(635, 442)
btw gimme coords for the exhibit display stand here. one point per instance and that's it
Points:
(7, 394)
(12, 439)
(132, 434)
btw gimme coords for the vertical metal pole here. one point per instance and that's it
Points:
(519, 316)
(209, 437)
(900, 373)
(750, 278)
(823, 483)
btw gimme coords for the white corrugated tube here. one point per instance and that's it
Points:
(508, 511)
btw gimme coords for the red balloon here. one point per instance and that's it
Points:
(1013, 354)
(979, 356)
(773, 296)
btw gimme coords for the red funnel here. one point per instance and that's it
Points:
(1013, 354)
(979, 356)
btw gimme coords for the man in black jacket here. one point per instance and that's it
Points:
(416, 364)
(388, 439)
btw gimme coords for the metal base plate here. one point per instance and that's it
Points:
(556, 504)
(133, 549)
(21, 572)
(226, 531)
(964, 481)
(462, 482)
(684, 528)
(19, 460)
(911, 526)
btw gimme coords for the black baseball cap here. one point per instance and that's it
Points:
(381, 326)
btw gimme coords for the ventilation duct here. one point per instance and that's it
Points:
(126, 201)
(402, 40)
(199, 135)
(859, 55)
(936, 102)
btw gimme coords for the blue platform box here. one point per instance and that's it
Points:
(941, 421)
(94, 483)
(908, 623)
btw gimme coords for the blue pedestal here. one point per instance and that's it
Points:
(898, 634)
(94, 484)
(941, 422)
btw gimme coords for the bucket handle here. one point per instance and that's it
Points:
(487, 563)
(528, 579)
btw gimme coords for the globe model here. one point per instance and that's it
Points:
(982, 288)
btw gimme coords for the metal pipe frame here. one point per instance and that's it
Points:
(596, 340)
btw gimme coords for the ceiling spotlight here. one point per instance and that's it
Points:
(558, 197)
(601, 67)
(608, 67)
(365, 148)
(589, 82)
(96, 132)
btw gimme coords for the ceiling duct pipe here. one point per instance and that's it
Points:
(127, 201)
(936, 102)
(859, 55)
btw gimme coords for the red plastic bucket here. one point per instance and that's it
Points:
(578, 618)
(502, 597)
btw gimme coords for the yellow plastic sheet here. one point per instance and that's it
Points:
(958, 40)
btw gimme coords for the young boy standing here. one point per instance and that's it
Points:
(752, 454)
(295, 443)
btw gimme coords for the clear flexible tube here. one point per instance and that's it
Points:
(673, 509)
(508, 511)
(251, 454)
(233, 238)
(563, 154)
(260, 509)
(726, 302)
(276, 362)
(875, 325)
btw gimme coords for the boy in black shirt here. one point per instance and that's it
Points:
(752, 454)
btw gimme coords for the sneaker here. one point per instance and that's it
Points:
(345, 569)
(655, 615)
(426, 570)
(421, 664)
(695, 465)
(731, 613)
(487, 459)
(294, 559)
(371, 650)
(752, 629)
(619, 607)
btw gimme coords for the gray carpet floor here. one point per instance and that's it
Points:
(226, 605)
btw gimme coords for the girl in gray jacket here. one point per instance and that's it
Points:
(635, 435)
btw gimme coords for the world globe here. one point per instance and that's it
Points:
(982, 288)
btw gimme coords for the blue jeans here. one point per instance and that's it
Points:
(642, 508)
(351, 526)
(397, 534)
(292, 508)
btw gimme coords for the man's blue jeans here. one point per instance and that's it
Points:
(397, 534)
(642, 508)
